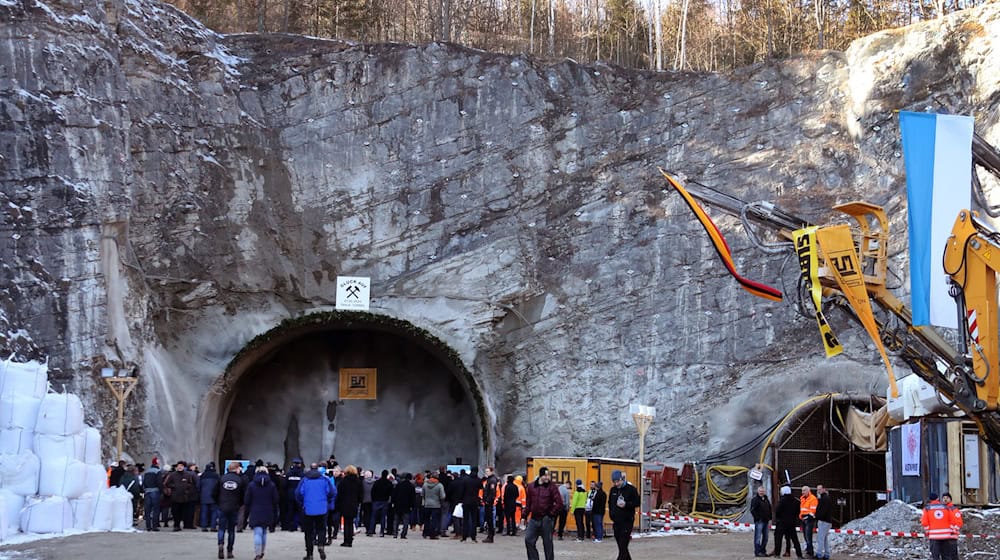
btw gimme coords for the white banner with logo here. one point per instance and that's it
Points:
(911, 449)
(353, 293)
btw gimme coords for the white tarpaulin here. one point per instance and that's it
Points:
(30, 379)
(46, 515)
(19, 473)
(60, 415)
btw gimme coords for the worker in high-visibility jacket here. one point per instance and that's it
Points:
(807, 513)
(956, 527)
(938, 522)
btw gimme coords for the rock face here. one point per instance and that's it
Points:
(169, 194)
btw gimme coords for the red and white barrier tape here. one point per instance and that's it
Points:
(723, 522)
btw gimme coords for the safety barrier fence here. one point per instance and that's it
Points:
(699, 521)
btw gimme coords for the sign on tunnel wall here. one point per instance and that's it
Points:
(353, 293)
(357, 383)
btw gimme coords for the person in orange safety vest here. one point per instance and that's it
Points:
(807, 513)
(956, 527)
(938, 522)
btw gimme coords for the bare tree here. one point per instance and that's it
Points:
(681, 59)
(658, 32)
(820, 12)
(552, 28)
(532, 27)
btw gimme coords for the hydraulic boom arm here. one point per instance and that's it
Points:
(967, 379)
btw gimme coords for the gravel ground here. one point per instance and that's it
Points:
(682, 545)
(899, 516)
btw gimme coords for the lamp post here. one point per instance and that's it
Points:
(121, 386)
(643, 416)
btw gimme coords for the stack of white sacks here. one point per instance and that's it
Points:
(51, 475)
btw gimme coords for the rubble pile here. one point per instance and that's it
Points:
(902, 517)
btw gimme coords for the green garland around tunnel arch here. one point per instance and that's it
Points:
(361, 320)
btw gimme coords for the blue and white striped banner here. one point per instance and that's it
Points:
(937, 152)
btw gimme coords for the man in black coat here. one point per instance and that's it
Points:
(454, 490)
(117, 472)
(228, 496)
(404, 496)
(381, 494)
(181, 486)
(599, 505)
(470, 504)
(622, 503)
(490, 486)
(786, 519)
(291, 513)
(760, 509)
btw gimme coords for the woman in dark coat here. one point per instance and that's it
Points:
(261, 504)
(510, 494)
(348, 497)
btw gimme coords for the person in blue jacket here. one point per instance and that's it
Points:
(315, 494)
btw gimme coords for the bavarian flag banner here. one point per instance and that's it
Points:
(937, 152)
(842, 260)
(755, 288)
(808, 253)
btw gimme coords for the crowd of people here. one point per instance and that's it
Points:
(941, 520)
(814, 512)
(323, 500)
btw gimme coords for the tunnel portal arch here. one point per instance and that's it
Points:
(224, 415)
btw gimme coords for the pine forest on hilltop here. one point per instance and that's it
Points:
(698, 35)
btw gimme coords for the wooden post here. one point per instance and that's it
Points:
(121, 387)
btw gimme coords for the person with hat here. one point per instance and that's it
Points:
(579, 508)
(542, 505)
(131, 482)
(152, 490)
(261, 501)
(956, 527)
(116, 473)
(207, 485)
(786, 519)
(622, 503)
(291, 514)
(228, 494)
(938, 523)
(181, 487)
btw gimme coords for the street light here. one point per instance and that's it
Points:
(643, 416)
(121, 387)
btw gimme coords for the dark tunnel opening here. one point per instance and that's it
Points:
(284, 400)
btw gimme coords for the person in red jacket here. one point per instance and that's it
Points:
(543, 504)
(937, 522)
(956, 528)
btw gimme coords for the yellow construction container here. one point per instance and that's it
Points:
(587, 469)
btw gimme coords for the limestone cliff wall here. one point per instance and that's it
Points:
(167, 194)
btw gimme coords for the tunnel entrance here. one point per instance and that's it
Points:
(280, 397)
